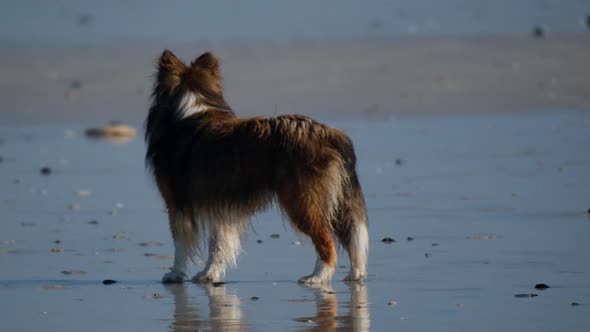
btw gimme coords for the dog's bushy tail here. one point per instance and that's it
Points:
(350, 222)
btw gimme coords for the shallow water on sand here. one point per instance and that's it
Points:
(494, 204)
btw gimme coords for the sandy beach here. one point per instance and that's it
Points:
(471, 132)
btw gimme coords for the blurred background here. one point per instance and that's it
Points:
(74, 60)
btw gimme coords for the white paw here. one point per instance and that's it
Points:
(355, 275)
(313, 280)
(205, 277)
(173, 277)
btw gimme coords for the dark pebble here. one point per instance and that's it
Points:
(76, 84)
(574, 304)
(109, 282)
(258, 241)
(93, 222)
(541, 286)
(409, 238)
(399, 162)
(538, 32)
(435, 244)
(427, 255)
(521, 296)
(275, 236)
(588, 21)
(388, 240)
(254, 298)
(45, 170)
(588, 211)
(57, 241)
(149, 254)
(218, 284)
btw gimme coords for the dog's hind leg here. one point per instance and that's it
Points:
(224, 248)
(309, 216)
(351, 228)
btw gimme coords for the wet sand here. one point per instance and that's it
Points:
(377, 78)
(494, 203)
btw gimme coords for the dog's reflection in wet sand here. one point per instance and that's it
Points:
(225, 312)
(327, 318)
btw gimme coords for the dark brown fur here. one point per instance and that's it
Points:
(212, 166)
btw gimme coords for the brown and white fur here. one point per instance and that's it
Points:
(215, 170)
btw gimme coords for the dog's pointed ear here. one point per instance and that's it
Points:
(207, 61)
(170, 70)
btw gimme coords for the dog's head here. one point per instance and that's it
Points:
(189, 89)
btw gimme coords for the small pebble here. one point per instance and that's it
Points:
(149, 254)
(588, 211)
(258, 241)
(574, 304)
(409, 238)
(57, 241)
(388, 240)
(427, 255)
(73, 272)
(435, 244)
(538, 32)
(45, 170)
(93, 222)
(108, 282)
(541, 286)
(520, 296)
(119, 236)
(154, 296)
(391, 303)
(588, 21)
(57, 249)
(254, 298)
(74, 206)
(151, 244)
(275, 236)
(399, 162)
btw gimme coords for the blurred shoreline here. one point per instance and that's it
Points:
(371, 77)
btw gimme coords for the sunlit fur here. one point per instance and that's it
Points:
(215, 170)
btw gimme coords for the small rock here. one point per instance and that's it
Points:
(258, 241)
(45, 171)
(57, 241)
(275, 236)
(574, 304)
(83, 193)
(342, 266)
(427, 255)
(109, 282)
(399, 162)
(93, 222)
(54, 287)
(151, 244)
(588, 211)
(391, 303)
(541, 286)
(84, 19)
(74, 206)
(588, 21)
(254, 298)
(149, 254)
(435, 244)
(520, 296)
(409, 238)
(538, 32)
(154, 296)
(28, 224)
(73, 272)
(387, 240)
(57, 249)
(119, 236)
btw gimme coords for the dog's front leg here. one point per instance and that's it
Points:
(224, 248)
(178, 272)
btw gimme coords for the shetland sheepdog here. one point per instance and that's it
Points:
(215, 170)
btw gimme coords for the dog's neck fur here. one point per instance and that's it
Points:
(193, 103)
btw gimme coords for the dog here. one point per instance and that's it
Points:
(215, 170)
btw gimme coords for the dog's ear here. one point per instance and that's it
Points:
(207, 61)
(170, 70)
